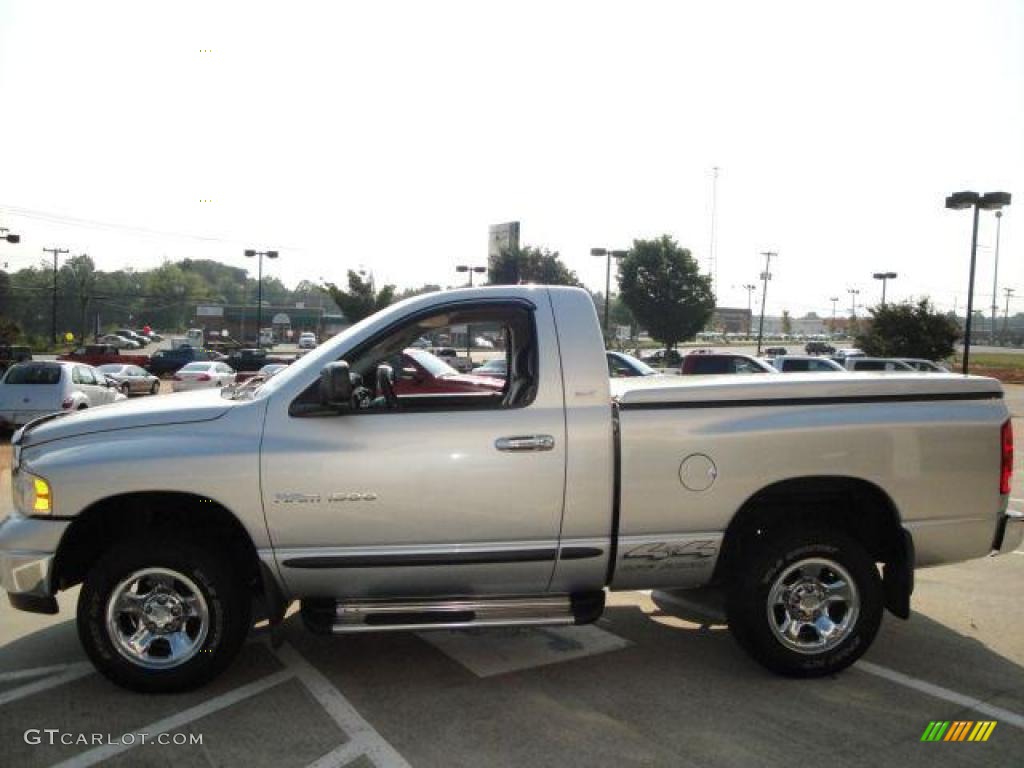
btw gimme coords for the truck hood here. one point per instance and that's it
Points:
(179, 408)
(654, 390)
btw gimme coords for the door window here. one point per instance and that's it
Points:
(427, 362)
(83, 375)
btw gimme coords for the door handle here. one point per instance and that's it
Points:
(525, 443)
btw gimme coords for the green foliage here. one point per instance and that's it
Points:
(528, 264)
(410, 292)
(9, 331)
(661, 284)
(361, 299)
(787, 322)
(908, 330)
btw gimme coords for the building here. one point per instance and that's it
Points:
(239, 321)
(730, 320)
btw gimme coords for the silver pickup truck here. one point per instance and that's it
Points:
(382, 500)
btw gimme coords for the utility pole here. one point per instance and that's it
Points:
(995, 277)
(1006, 314)
(765, 277)
(53, 318)
(854, 293)
(749, 288)
(834, 300)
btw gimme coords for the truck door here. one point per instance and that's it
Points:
(455, 492)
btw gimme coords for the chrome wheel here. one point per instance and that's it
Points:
(813, 605)
(157, 618)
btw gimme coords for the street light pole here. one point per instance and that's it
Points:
(749, 288)
(469, 328)
(765, 277)
(854, 293)
(609, 255)
(259, 290)
(885, 277)
(990, 201)
(834, 300)
(995, 277)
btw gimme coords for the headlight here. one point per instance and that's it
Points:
(32, 495)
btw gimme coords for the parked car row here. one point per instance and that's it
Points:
(32, 389)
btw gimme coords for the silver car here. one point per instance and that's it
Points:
(131, 379)
(33, 389)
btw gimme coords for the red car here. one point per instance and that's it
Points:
(422, 373)
(695, 365)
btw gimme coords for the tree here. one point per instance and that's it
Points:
(514, 266)
(661, 284)
(361, 299)
(410, 292)
(909, 330)
(787, 322)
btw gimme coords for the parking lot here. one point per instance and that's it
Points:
(644, 686)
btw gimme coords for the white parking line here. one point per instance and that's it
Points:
(364, 739)
(217, 703)
(71, 672)
(1002, 715)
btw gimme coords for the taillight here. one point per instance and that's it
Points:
(66, 403)
(1006, 468)
(203, 377)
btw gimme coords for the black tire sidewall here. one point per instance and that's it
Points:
(227, 603)
(748, 598)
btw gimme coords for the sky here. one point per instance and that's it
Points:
(390, 135)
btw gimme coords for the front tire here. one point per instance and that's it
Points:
(162, 618)
(806, 604)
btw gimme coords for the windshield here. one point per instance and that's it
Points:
(433, 365)
(33, 374)
(111, 368)
(639, 365)
(196, 367)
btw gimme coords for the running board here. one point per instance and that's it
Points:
(326, 616)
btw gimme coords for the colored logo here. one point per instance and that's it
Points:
(958, 730)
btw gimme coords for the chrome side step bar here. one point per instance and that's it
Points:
(336, 617)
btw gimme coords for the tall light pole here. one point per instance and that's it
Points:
(885, 277)
(259, 290)
(609, 255)
(749, 288)
(5, 234)
(53, 312)
(995, 277)
(834, 300)
(765, 277)
(854, 293)
(471, 271)
(990, 201)
(469, 329)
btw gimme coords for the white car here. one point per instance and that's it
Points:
(204, 375)
(307, 340)
(878, 365)
(118, 342)
(33, 389)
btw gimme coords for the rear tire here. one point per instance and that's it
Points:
(155, 389)
(806, 604)
(126, 389)
(160, 617)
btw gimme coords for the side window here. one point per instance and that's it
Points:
(84, 376)
(618, 369)
(710, 364)
(745, 366)
(426, 363)
(799, 366)
(870, 365)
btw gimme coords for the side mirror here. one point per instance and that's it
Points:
(336, 385)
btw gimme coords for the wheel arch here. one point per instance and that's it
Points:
(856, 506)
(117, 518)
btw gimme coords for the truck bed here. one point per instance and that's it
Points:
(695, 450)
